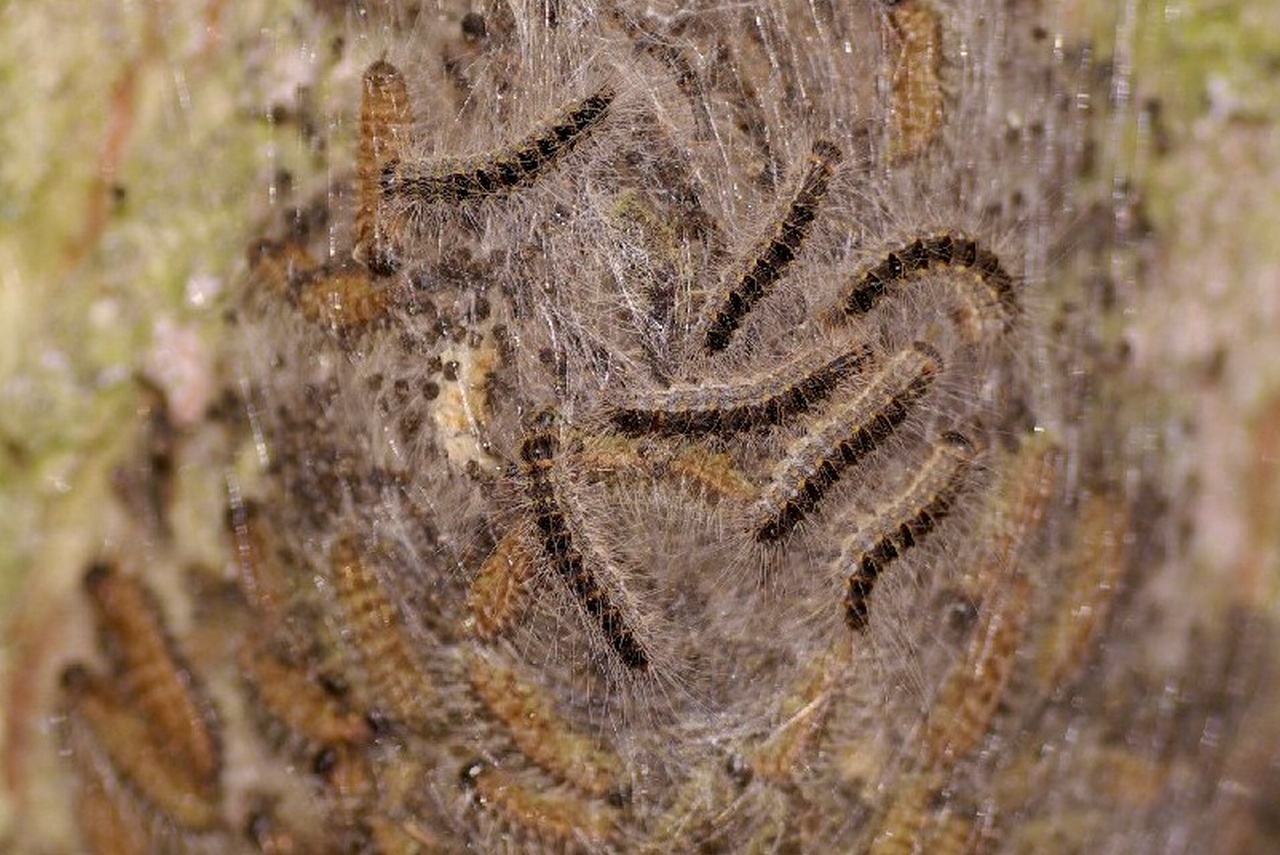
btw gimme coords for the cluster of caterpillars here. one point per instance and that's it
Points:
(855, 425)
(839, 403)
(392, 189)
(145, 735)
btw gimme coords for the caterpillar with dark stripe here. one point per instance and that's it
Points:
(503, 171)
(538, 450)
(815, 461)
(935, 252)
(725, 312)
(766, 399)
(912, 515)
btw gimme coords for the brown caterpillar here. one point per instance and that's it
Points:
(932, 253)
(1090, 596)
(540, 733)
(1025, 494)
(713, 474)
(279, 265)
(500, 589)
(962, 713)
(538, 450)
(385, 117)
(498, 173)
(303, 706)
(153, 674)
(550, 815)
(726, 310)
(767, 399)
(109, 818)
(917, 78)
(708, 475)
(377, 631)
(803, 716)
(338, 297)
(912, 515)
(918, 821)
(147, 766)
(261, 574)
(815, 461)
(349, 775)
(969, 699)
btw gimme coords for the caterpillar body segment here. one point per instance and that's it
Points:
(961, 716)
(918, 96)
(339, 297)
(540, 733)
(910, 517)
(385, 119)
(816, 461)
(760, 401)
(575, 564)
(503, 171)
(987, 288)
(379, 636)
(153, 674)
(142, 761)
(725, 311)
(290, 696)
(500, 590)
(548, 815)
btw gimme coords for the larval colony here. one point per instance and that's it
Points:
(655, 471)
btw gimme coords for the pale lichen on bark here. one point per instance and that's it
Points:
(132, 170)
